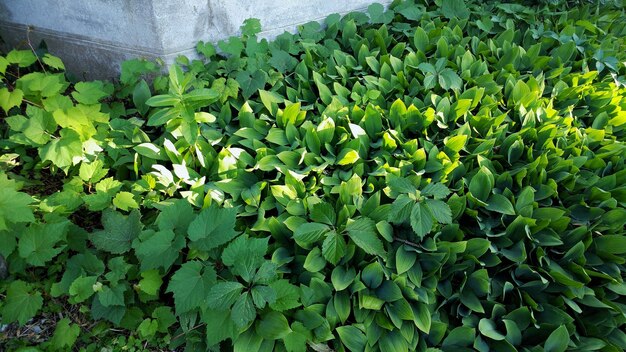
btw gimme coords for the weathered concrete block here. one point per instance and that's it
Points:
(94, 36)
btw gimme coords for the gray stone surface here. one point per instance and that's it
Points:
(94, 36)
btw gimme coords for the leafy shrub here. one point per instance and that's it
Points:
(423, 178)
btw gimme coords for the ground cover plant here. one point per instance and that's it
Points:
(436, 177)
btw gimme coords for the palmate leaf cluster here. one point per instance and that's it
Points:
(436, 177)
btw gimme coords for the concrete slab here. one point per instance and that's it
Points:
(94, 36)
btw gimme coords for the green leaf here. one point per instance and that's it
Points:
(558, 340)
(21, 303)
(243, 311)
(92, 172)
(151, 282)
(64, 151)
(309, 233)
(421, 219)
(449, 79)
(125, 201)
(420, 39)
(10, 99)
(23, 58)
(334, 247)
(65, 335)
(91, 92)
(353, 338)
(273, 326)
(324, 213)
(244, 255)
(250, 27)
(439, 210)
(119, 232)
(213, 227)
(190, 285)
(435, 190)
(342, 277)
(224, 294)
(159, 250)
(481, 184)
(82, 288)
(454, 8)
(250, 83)
(347, 157)
(613, 244)
(500, 204)
(287, 295)
(488, 328)
(38, 244)
(363, 233)
(456, 143)
(404, 260)
(219, 326)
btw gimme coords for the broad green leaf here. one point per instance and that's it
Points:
(454, 8)
(481, 184)
(190, 285)
(63, 151)
(558, 340)
(213, 227)
(353, 338)
(243, 311)
(273, 326)
(91, 92)
(436, 190)
(347, 157)
(363, 233)
(404, 260)
(125, 201)
(82, 288)
(245, 255)
(342, 277)
(21, 303)
(439, 210)
(500, 204)
(488, 328)
(158, 250)
(421, 219)
(287, 295)
(119, 231)
(309, 233)
(65, 334)
(151, 282)
(224, 294)
(40, 242)
(10, 99)
(334, 247)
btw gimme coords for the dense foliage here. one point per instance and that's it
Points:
(430, 177)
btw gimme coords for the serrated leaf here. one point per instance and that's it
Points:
(334, 247)
(39, 243)
(287, 295)
(435, 190)
(119, 232)
(21, 303)
(363, 233)
(160, 250)
(190, 285)
(421, 220)
(213, 227)
(439, 210)
(243, 311)
(309, 233)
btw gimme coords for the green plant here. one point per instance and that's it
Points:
(441, 176)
